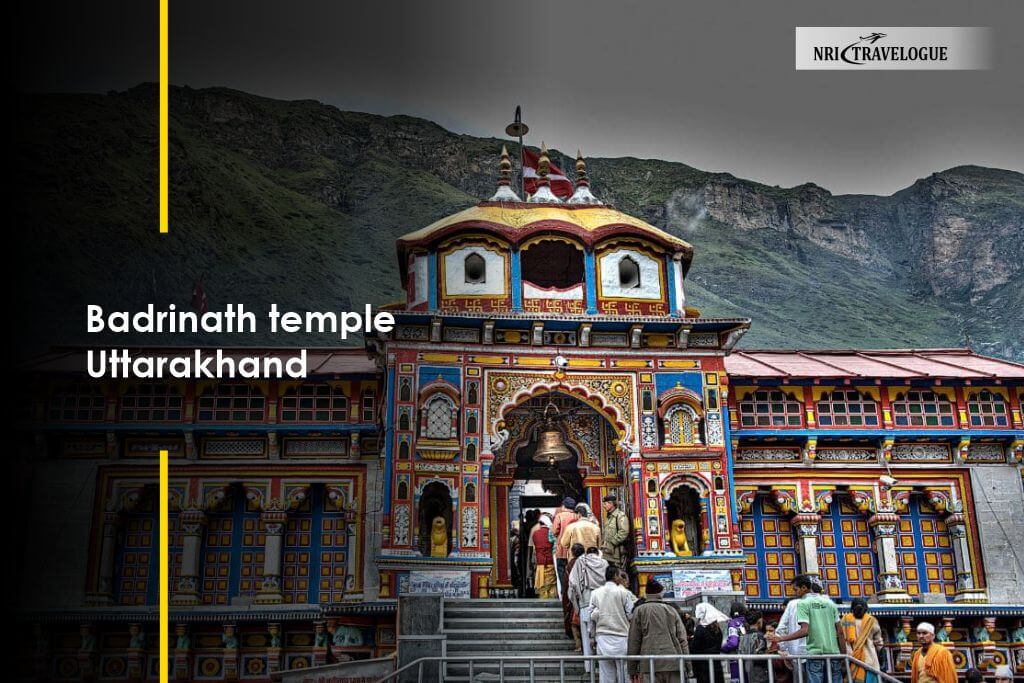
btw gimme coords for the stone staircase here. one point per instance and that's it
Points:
(489, 629)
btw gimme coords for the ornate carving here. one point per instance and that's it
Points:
(921, 452)
(846, 455)
(768, 455)
(469, 527)
(400, 530)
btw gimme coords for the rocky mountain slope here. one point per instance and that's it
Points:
(299, 204)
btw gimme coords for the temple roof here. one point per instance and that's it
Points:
(517, 221)
(887, 364)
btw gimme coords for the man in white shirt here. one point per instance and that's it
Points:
(793, 650)
(611, 606)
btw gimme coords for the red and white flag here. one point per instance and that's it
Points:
(561, 187)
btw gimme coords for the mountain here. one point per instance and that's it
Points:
(299, 204)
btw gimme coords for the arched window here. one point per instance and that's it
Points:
(369, 406)
(845, 556)
(403, 450)
(471, 452)
(403, 420)
(770, 408)
(629, 273)
(847, 408)
(151, 402)
(405, 389)
(471, 423)
(552, 263)
(475, 268)
(77, 402)
(469, 493)
(439, 418)
(987, 409)
(681, 426)
(403, 490)
(314, 566)
(232, 403)
(922, 408)
(472, 394)
(314, 403)
(925, 551)
(766, 535)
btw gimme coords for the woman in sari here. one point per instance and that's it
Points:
(863, 637)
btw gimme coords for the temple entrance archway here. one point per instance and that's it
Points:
(519, 484)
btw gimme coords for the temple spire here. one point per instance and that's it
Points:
(582, 195)
(505, 192)
(544, 193)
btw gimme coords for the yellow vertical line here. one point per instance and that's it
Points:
(164, 118)
(165, 522)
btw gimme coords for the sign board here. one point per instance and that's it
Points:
(687, 582)
(449, 584)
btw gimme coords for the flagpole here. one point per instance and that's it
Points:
(518, 129)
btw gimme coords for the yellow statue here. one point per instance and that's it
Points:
(678, 537)
(438, 538)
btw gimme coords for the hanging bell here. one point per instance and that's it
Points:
(551, 447)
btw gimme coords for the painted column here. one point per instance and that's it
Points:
(966, 588)
(517, 280)
(187, 591)
(502, 545)
(807, 526)
(590, 274)
(639, 500)
(890, 582)
(273, 524)
(679, 296)
(108, 547)
(182, 660)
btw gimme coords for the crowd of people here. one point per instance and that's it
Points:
(584, 563)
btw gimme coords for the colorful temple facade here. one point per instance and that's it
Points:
(302, 509)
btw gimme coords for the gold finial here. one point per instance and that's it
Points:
(543, 165)
(506, 168)
(581, 170)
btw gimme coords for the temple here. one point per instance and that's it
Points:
(303, 509)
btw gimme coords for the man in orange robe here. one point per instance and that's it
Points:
(932, 662)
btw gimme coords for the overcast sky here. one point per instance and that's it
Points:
(707, 83)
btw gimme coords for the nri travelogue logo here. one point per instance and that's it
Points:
(901, 47)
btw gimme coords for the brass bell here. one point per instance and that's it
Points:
(551, 446)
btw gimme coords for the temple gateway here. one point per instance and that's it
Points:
(302, 510)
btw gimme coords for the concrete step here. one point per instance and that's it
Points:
(502, 603)
(516, 611)
(469, 646)
(505, 634)
(502, 622)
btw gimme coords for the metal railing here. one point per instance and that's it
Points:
(525, 667)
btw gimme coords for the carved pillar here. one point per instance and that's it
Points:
(87, 651)
(136, 652)
(967, 589)
(182, 650)
(230, 640)
(890, 582)
(187, 591)
(104, 594)
(807, 526)
(639, 502)
(274, 649)
(320, 640)
(274, 522)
